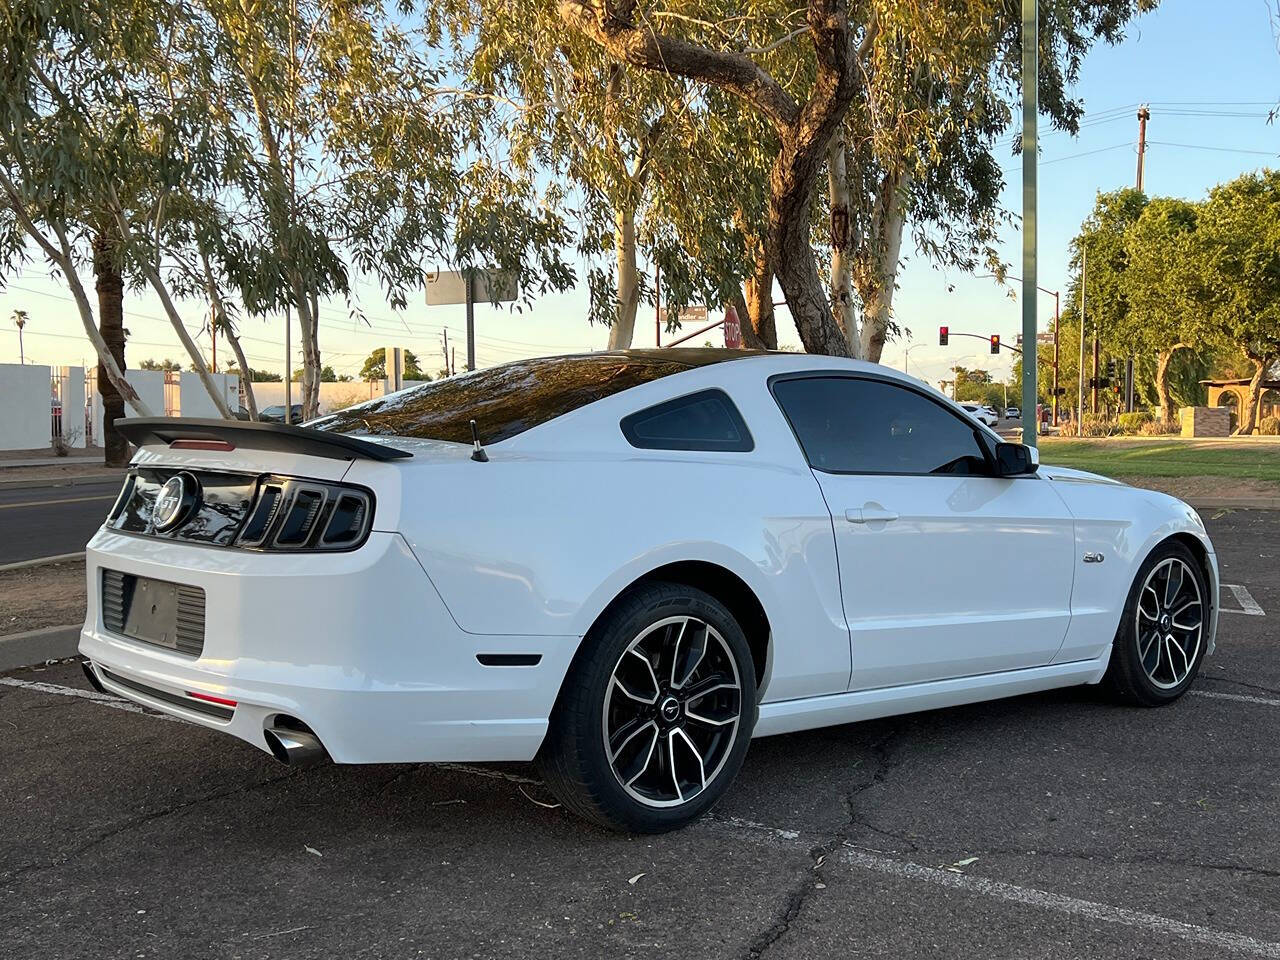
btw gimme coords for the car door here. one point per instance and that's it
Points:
(945, 569)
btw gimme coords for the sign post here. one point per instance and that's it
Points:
(467, 286)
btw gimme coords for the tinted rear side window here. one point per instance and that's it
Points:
(707, 420)
(848, 425)
(514, 397)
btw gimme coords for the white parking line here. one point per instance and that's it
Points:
(1237, 697)
(1059, 903)
(1248, 606)
(101, 699)
(862, 859)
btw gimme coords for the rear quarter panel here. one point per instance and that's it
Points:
(560, 520)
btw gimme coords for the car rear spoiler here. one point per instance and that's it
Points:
(277, 437)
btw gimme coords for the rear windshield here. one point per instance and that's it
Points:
(507, 400)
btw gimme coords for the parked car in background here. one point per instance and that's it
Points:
(1012, 413)
(475, 570)
(983, 414)
(275, 413)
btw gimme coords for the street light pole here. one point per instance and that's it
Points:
(907, 353)
(1030, 116)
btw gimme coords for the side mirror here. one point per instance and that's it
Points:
(1014, 460)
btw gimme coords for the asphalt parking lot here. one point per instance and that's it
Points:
(1054, 825)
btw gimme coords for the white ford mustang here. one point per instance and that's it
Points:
(626, 565)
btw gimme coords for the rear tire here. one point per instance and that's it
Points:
(1161, 641)
(656, 712)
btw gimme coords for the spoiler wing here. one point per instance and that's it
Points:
(277, 437)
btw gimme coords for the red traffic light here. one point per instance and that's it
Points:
(995, 343)
(942, 336)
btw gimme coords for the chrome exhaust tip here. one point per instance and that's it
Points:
(295, 748)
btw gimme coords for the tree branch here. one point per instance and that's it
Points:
(612, 27)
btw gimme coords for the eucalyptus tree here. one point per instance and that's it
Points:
(920, 148)
(645, 162)
(914, 97)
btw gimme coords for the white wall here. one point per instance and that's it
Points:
(331, 394)
(72, 405)
(25, 406)
(194, 399)
(150, 387)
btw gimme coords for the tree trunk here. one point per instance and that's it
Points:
(841, 233)
(880, 282)
(624, 239)
(219, 321)
(1249, 415)
(110, 287)
(1163, 359)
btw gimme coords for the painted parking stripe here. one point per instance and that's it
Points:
(1237, 697)
(1060, 903)
(50, 503)
(1248, 606)
(101, 699)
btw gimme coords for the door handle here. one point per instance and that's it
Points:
(869, 513)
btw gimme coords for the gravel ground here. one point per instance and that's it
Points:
(48, 596)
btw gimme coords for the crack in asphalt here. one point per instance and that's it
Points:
(815, 879)
(137, 822)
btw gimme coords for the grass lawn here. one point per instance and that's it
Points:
(1166, 457)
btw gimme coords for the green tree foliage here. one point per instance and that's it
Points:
(375, 366)
(1163, 300)
(1237, 255)
(255, 376)
(166, 365)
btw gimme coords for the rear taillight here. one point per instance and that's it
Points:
(126, 492)
(289, 514)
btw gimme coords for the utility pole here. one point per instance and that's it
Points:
(1084, 278)
(1057, 316)
(1030, 157)
(1144, 114)
(1093, 386)
(213, 335)
(446, 352)
(288, 371)
(471, 321)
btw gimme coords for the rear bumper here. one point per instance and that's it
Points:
(358, 646)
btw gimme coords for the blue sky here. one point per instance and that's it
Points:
(1210, 72)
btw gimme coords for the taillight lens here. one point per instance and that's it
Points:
(289, 514)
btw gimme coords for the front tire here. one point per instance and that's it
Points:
(656, 712)
(1162, 638)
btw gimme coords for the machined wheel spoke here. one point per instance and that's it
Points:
(1145, 648)
(627, 733)
(689, 657)
(1173, 585)
(643, 766)
(709, 685)
(1175, 644)
(622, 688)
(675, 734)
(1142, 609)
(653, 677)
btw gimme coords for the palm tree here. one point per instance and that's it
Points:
(20, 321)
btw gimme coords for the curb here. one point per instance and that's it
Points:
(37, 646)
(37, 482)
(40, 562)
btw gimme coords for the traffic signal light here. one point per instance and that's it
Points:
(942, 336)
(995, 343)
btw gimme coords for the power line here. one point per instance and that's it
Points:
(1201, 146)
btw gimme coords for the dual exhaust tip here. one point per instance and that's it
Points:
(294, 747)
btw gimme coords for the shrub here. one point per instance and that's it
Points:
(1269, 426)
(1133, 422)
(1160, 428)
